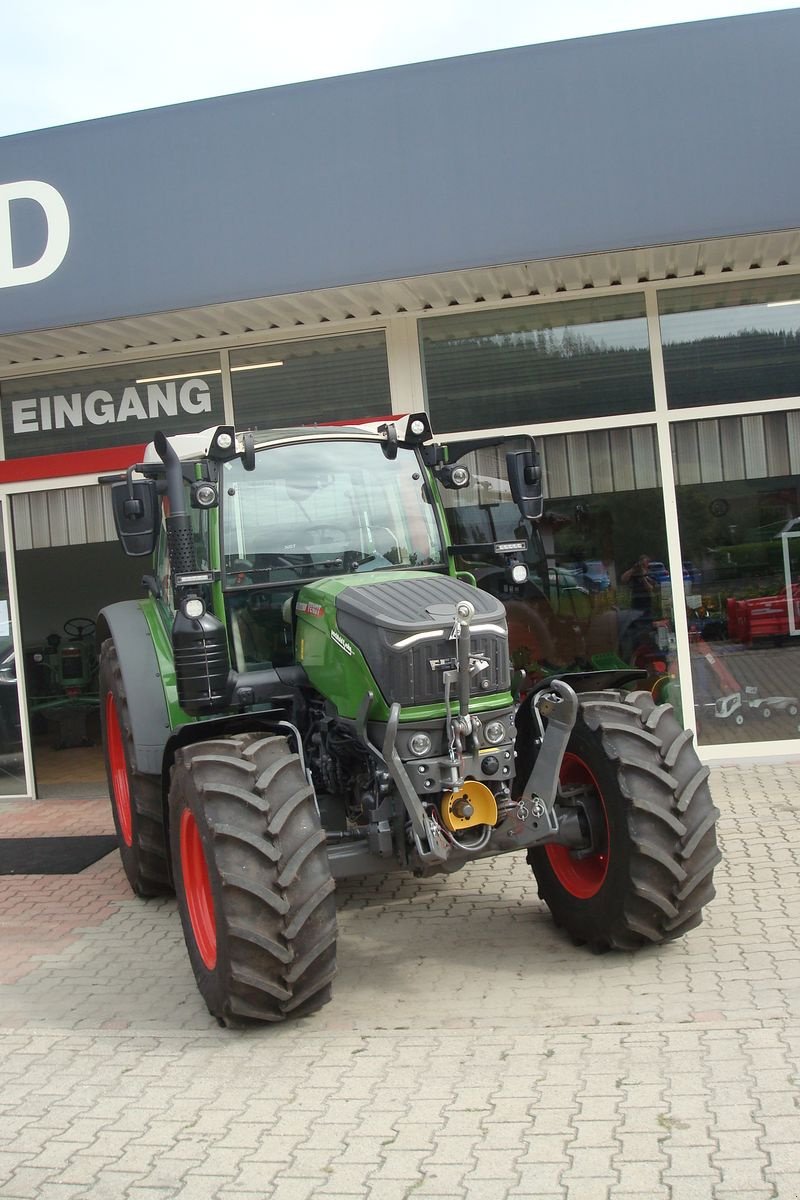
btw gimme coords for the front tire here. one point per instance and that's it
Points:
(135, 797)
(254, 887)
(649, 873)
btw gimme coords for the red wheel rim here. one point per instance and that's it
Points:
(197, 889)
(581, 877)
(120, 788)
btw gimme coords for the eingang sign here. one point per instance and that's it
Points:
(112, 406)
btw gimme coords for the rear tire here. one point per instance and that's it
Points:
(136, 801)
(650, 873)
(254, 887)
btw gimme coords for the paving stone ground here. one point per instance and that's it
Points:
(469, 1051)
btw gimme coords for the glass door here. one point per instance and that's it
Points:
(12, 759)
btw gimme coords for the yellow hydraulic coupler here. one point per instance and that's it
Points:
(471, 804)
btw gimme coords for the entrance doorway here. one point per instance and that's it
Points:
(68, 566)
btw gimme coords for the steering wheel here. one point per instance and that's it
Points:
(79, 627)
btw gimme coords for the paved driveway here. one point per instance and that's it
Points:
(469, 1051)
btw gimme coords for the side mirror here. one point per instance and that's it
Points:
(137, 515)
(525, 478)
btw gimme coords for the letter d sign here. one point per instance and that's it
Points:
(57, 218)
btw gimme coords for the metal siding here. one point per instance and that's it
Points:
(622, 459)
(602, 477)
(108, 515)
(793, 437)
(730, 436)
(777, 444)
(710, 451)
(21, 518)
(76, 515)
(580, 476)
(62, 517)
(755, 446)
(645, 458)
(40, 520)
(557, 466)
(94, 514)
(57, 517)
(685, 453)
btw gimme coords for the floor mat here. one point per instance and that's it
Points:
(53, 855)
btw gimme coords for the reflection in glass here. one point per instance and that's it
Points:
(583, 606)
(731, 342)
(311, 380)
(542, 362)
(12, 766)
(739, 518)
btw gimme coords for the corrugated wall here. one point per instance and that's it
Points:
(763, 445)
(63, 517)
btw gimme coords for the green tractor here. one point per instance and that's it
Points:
(314, 688)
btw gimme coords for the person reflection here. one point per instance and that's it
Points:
(642, 586)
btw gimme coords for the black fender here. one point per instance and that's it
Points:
(125, 622)
(527, 745)
(590, 681)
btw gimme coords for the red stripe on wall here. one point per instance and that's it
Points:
(113, 458)
(80, 462)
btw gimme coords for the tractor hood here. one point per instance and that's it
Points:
(391, 634)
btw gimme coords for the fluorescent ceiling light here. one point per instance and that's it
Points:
(214, 371)
(781, 303)
(185, 375)
(276, 363)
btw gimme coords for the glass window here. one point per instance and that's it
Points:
(12, 766)
(111, 406)
(543, 362)
(728, 342)
(314, 508)
(311, 380)
(738, 492)
(586, 605)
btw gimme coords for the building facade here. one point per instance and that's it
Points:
(596, 242)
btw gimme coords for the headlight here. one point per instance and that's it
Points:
(193, 608)
(420, 744)
(495, 732)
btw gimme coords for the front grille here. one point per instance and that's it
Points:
(409, 678)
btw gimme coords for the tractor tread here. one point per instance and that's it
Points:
(274, 902)
(663, 849)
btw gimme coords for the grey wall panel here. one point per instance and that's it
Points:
(580, 475)
(62, 517)
(755, 446)
(710, 451)
(536, 152)
(556, 466)
(645, 457)
(730, 436)
(75, 501)
(777, 444)
(602, 475)
(40, 520)
(622, 459)
(793, 438)
(21, 518)
(686, 453)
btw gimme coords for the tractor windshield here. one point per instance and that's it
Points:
(327, 507)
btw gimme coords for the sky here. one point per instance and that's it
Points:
(62, 62)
